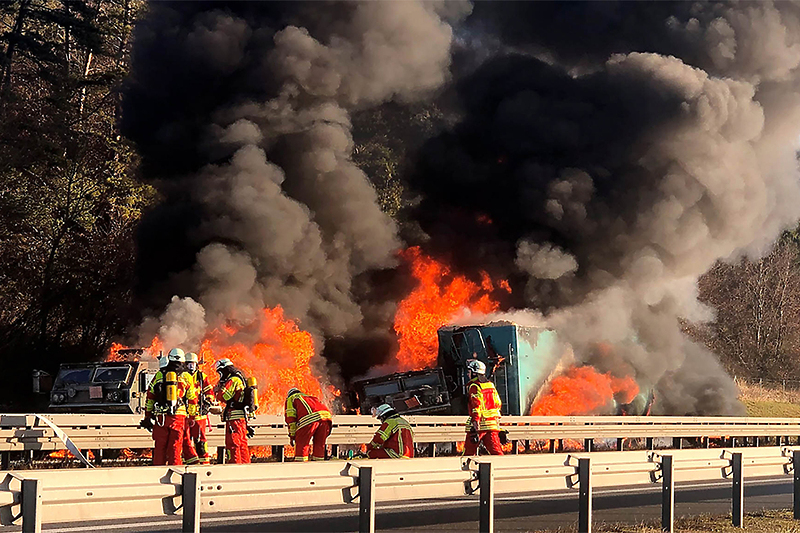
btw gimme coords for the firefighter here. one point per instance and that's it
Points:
(195, 447)
(484, 405)
(165, 409)
(231, 390)
(307, 418)
(394, 439)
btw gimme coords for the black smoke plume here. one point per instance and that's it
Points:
(619, 149)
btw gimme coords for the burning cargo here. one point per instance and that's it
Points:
(520, 360)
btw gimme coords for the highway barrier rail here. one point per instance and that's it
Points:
(25, 432)
(34, 497)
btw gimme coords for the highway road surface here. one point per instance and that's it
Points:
(517, 513)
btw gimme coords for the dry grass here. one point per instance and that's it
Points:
(761, 522)
(766, 401)
(758, 393)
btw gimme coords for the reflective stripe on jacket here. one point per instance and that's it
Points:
(484, 406)
(185, 395)
(396, 437)
(203, 391)
(232, 391)
(302, 410)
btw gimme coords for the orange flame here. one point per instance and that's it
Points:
(155, 348)
(279, 359)
(582, 391)
(439, 298)
(63, 454)
(277, 353)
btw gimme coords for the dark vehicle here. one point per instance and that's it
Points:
(102, 387)
(418, 392)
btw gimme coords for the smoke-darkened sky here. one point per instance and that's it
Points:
(618, 148)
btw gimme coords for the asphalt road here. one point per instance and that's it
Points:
(518, 513)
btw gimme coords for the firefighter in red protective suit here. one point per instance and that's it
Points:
(195, 447)
(484, 412)
(394, 439)
(307, 418)
(231, 390)
(165, 409)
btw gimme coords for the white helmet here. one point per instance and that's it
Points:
(223, 363)
(177, 355)
(293, 390)
(191, 357)
(475, 366)
(382, 410)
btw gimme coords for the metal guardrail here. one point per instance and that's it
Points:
(35, 497)
(24, 432)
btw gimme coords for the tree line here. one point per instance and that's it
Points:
(70, 196)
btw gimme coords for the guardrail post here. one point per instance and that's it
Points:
(190, 493)
(620, 445)
(433, 449)
(31, 506)
(5, 460)
(335, 451)
(515, 447)
(585, 498)
(588, 444)
(366, 500)
(667, 494)
(649, 443)
(796, 491)
(277, 451)
(220, 455)
(677, 443)
(486, 486)
(737, 507)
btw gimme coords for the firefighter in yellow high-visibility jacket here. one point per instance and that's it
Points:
(484, 405)
(165, 409)
(231, 390)
(394, 439)
(195, 447)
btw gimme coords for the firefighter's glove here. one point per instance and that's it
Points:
(250, 432)
(503, 437)
(473, 438)
(147, 423)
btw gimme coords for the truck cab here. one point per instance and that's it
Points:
(102, 387)
(520, 361)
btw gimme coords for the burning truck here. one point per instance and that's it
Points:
(522, 362)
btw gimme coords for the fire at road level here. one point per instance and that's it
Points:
(535, 371)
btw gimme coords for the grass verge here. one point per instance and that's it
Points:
(761, 522)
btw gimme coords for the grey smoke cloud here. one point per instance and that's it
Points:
(621, 169)
(654, 140)
(285, 216)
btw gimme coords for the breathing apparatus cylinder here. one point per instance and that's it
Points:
(252, 383)
(171, 381)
